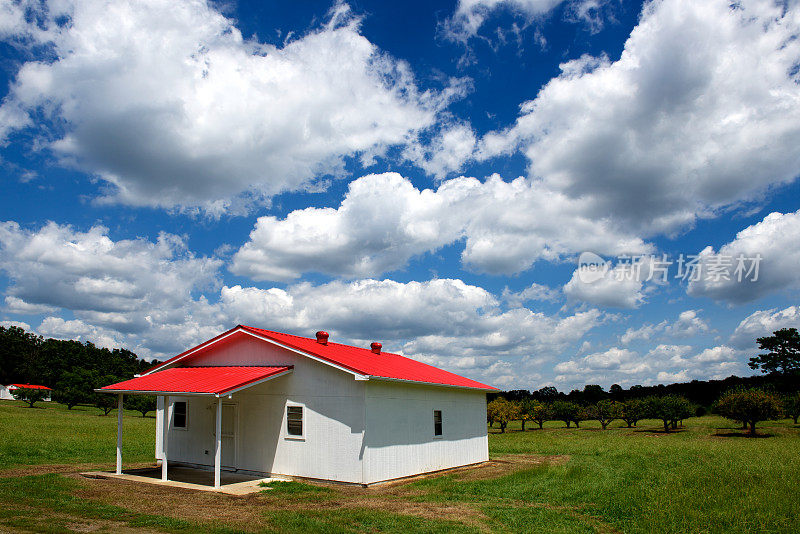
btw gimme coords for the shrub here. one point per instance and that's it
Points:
(749, 406)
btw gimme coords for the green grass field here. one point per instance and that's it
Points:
(707, 477)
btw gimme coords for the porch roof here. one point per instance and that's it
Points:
(216, 381)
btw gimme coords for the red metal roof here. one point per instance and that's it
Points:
(356, 359)
(29, 386)
(203, 380)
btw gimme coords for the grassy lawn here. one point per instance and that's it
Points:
(705, 478)
(48, 433)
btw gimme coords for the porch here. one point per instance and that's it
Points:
(214, 383)
(190, 478)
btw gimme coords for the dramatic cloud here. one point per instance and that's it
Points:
(157, 298)
(763, 323)
(699, 112)
(384, 221)
(443, 322)
(171, 106)
(776, 240)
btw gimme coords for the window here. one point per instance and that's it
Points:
(437, 422)
(294, 421)
(179, 414)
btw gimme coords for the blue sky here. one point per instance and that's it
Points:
(424, 174)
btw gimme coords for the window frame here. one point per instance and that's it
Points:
(185, 426)
(440, 435)
(286, 434)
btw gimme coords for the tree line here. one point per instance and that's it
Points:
(72, 369)
(746, 406)
(780, 363)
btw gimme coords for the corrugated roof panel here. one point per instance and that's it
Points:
(208, 380)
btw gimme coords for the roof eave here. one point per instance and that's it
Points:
(486, 389)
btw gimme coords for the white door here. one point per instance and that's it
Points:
(229, 431)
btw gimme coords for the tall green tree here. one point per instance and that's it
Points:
(782, 352)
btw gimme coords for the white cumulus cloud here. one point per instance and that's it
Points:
(699, 112)
(730, 274)
(384, 221)
(171, 106)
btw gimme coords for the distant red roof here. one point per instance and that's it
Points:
(30, 386)
(356, 359)
(201, 380)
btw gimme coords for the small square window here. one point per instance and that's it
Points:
(437, 422)
(179, 414)
(294, 421)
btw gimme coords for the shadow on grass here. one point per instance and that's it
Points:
(743, 435)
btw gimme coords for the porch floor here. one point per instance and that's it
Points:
(190, 478)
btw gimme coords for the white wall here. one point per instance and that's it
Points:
(5, 394)
(333, 426)
(400, 437)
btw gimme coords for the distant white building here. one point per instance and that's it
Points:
(268, 403)
(7, 392)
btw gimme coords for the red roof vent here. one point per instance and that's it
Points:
(322, 337)
(376, 347)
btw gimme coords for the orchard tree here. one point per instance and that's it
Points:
(782, 352)
(30, 395)
(565, 411)
(605, 411)
(76, 387)
(502, 411)
(669, 409)
(791, 406)
(632, 411)
(105, 402)
(541, 414)
(140, 403)
(749, 406)
(527, 407)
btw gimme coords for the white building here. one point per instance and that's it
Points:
(7, 392)
(268, 403)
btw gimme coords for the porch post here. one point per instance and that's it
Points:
(218, 448)
(119, 434)
(165, 438)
